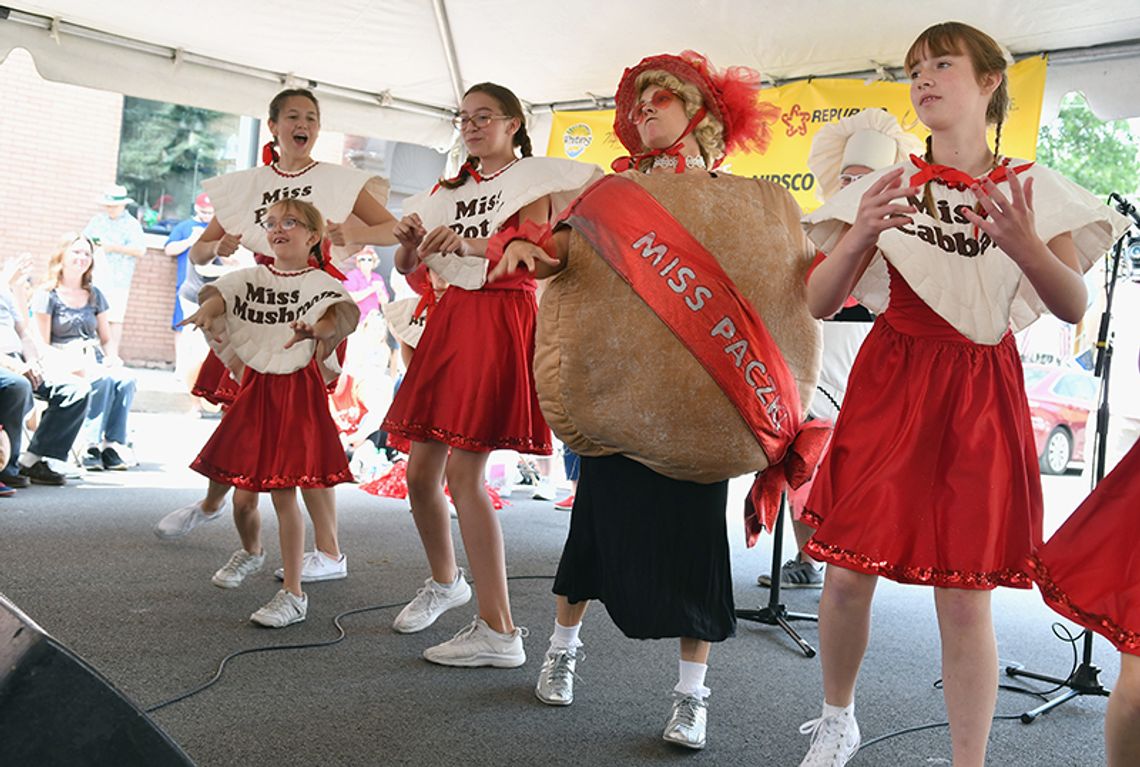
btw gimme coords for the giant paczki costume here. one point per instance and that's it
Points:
(674, 351)
(678, 334)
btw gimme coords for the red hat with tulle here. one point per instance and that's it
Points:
(729, 96)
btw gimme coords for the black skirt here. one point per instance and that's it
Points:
(654, 550)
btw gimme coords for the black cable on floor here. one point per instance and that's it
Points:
(341, 634)
(1058, 628)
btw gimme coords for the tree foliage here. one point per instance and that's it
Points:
(167, 149)
(1101, 156)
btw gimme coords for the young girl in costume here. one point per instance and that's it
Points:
(463, 397)
(241, 201)
(277, 327)
(932, 473)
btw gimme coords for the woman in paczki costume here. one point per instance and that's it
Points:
(658, 432)
(469, 388)
(241, 200)
(932, 477)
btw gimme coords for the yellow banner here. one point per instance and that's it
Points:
(807, 106)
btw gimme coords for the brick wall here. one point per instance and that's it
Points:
(148, 340)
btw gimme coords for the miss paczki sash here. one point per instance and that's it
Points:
(662, 262)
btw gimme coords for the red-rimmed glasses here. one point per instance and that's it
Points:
(659, 101)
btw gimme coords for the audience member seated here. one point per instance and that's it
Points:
(71, 317)
(21, 378)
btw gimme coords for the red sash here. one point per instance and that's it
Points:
(685, 286)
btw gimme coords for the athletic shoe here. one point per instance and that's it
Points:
(112, 461)
(283, 610)
(179, 522)
(479, 645)
(430, 602)
(319, 566)
(93, 459)
(555, 685)
(566, 504)
(834, 740)
(5, 491)
(687, 721)
(15, 479)
(795, 574)
(241, 564)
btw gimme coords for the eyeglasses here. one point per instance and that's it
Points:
(286, 224)
(481, 120)
(849, 178)
(660, 100)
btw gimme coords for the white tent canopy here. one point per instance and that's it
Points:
(393, 69)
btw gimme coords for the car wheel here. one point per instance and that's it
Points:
(1057, 453)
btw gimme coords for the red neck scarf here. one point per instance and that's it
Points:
(674, 149)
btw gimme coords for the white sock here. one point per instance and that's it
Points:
(830, 710)
(692, 679)
(565, 637)
(453, 584)
(28, 460)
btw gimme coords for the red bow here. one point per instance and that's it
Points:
(472, 171)
(956, 179)
(325, 264)
(269, 153)
(426, 304)
(622, 164)
(797, 467)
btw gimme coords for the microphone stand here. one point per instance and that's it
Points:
(1085, 679)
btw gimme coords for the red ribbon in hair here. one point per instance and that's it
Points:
(956, 179)
(632, 161)
(269, 153)
(325, 264)
(468, 166)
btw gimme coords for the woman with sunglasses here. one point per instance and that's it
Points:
(659, 438)
(241, 201)
(469, 388)
(277, 328)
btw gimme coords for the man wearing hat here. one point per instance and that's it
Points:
(841, 153)
(119, 238)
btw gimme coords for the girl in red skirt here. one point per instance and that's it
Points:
(469, 388)
(932, 474)
(277, 327)
(1089, 571)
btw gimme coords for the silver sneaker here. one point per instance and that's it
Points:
(834, 740)
(283, 610)
(429, 603)
(556, 678)
(479, 645)
(181, 521)
(241, 564)
(687, 721)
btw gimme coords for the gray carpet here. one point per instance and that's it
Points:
(83, 563)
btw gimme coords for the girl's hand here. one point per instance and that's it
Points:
(409, 231)
(227, 246)
(520, 253)
(877, 210)
(199, 319)
(1010, 221)
(335, 234)
(303, 331)
(443, 240)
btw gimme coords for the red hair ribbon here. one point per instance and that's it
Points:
(269, 153)
(468, 166)
(327, 265)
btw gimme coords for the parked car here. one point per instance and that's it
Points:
(1060, 402)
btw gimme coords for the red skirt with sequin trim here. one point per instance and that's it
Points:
(214, 382)
(932, 472)
(278, 433)
(470, 384)
(1089, 571)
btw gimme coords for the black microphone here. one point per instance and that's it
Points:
(1125, 207)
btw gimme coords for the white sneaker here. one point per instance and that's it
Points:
(544, 491)
(66, 468)
(480, 645)
(430, 602)
(181, 521)
(283, 610)
(319, 566)
(241, 564)
(834, 740)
